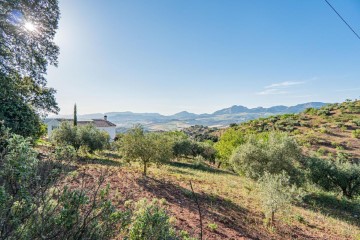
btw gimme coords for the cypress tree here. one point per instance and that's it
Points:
(75, 115)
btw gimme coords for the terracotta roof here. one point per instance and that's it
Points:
(103, 123)
(96, 122)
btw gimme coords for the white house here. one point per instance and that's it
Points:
(101, 124)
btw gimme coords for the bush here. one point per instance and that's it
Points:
(274, 152)
(32, 207)
(334, 175)
(92, 138)
(356, 122)
(356, 133)
(87, 136)
(66, 153)
(228, 142)
(150, 221)
(66, 134)
(277, 194)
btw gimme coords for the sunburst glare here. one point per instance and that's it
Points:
(30, 26)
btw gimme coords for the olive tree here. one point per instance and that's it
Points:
(277, 194)
(335, 175)
(146, 148)
(272, 152)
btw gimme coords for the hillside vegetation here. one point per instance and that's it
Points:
(326, 132)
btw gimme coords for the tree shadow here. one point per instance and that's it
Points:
(178, 171)
(101, 161)
(111, 155)
(236, 221)
(201, 167)
(343, 209)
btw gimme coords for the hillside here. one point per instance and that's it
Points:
(325, 131)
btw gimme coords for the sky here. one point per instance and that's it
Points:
(168, 56)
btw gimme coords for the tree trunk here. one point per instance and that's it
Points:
(347, 193)
(272, 217)
(145, 169)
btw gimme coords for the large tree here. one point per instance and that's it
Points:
(27, 30)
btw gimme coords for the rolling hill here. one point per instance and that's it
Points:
(184, 119)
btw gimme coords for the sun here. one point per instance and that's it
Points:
(30, 26)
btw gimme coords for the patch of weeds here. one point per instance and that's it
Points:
(212, 226)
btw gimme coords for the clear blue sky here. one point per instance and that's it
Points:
(168, 56)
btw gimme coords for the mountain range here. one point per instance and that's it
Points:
(220, 118)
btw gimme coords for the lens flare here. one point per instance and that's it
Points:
(30, 26)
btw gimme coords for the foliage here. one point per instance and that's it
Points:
(31, 207)
(66, 134)
(24, 51)
(201, 133)
(87, 136)
(16, 108)
(212, 226)
(24, 57)
(91, 137)
(75, 115)
(356, 133)
(150, 221)
(356, 121)
(339, 174)
(65, 153)
(190, 149)
(273, 152)
(147, 148)
(276, 193)
(228, 142)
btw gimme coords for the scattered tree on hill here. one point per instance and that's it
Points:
(272, 152)
(229, 141)
(276, 194)
(147, 148)
(334, 175)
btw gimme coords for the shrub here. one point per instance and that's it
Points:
(339, 174)
(356, 133)
(277, 194)
(92, 138)
(274, 152)
(356, 122)
(32, 207)
(228, 142)
(150, 221)
(66, 134)
(212, 226)
(67, 153)
(77, 136)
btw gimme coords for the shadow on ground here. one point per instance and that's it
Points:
(330, 205)
(237, 222)
(200, 167)
(101, 161)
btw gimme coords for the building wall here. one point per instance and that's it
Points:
(110, 130)
(53, 124)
